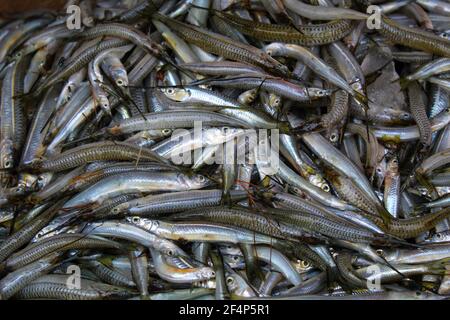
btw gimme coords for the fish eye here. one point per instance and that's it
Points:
(119, 82)
(379, 170)
(166, 131)
(379, 252)
(136, 220)
(305, 264)
(170, 91)
(326, 188)
(201, 178)
(333, 137)
(438, 235)
(213, 274)
(230, 280)
(405, 116)
(8, 164)
(170, 253)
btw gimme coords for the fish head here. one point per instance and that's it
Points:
(333, 136)
(176, 94)
(206, 273)
(196, 181)
(6, 154)
(317, 93)
(380, 172)
(234, 261)
(119, 210)
(248, 96)
(27, 181)
(104, 102)
(238, 287)
(275, 49)
(44, 179)
(274, 101)
(121, 79)
(166, 132)
(170, 249)
(392, 165)
(144, 223)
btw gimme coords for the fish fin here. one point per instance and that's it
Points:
(254, 273)
(84, 176)
(28, 97)
(426, 183)
(204, 8)
(384, 214)
(149, 10)
(309, 126)
(106, 260)
(226, 199)
(404, 83)
(332, 274)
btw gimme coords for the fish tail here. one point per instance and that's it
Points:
(361, 99)
(384, 214)
(2, 269)
(404, 83)
(420, 208)
(284, 127)
(96, 135)
(439, 267)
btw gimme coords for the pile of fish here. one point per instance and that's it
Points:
(116, 118)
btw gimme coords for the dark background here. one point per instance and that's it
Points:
(18, 6)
